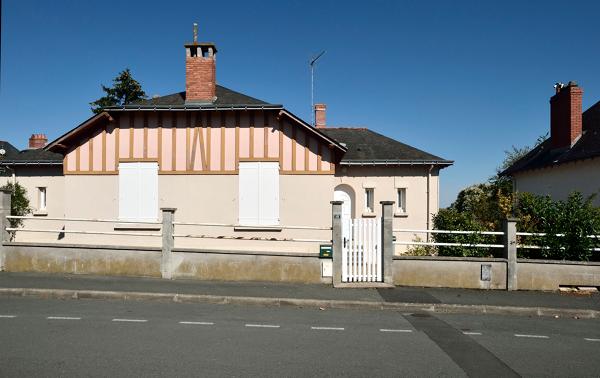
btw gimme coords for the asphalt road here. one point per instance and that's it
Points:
(108, 338)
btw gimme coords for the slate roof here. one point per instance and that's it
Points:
(366, 147)
(30, 156)
(588, 146)
(225, 97)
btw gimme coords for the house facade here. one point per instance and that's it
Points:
(217, 156)
(569, 160)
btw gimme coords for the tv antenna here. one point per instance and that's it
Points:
(312, 83)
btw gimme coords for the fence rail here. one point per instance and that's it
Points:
(81, 220)
(61, 231)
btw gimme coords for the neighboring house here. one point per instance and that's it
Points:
(569, 160)
(220, 156)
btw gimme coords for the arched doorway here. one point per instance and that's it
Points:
(345, 194)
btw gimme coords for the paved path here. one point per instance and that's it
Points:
(113, 338)
(300, 291)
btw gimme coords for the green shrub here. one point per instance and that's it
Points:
(421, 250)
(576, 218)
(452, 219)
(19, 204)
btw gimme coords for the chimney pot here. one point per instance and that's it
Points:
(200, 71)
(320, 110)
(38, 141)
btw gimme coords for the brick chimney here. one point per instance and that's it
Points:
(38, 141)
(320, 110)
(200, 70)
(565, 115)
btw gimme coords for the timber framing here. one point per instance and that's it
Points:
(199, 142)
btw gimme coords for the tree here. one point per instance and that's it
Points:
(124, 91)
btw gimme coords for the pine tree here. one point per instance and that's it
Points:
(125, 90)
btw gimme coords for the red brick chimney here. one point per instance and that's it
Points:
(200, 70)
(320, 116)
(565, 115)
(38, 141)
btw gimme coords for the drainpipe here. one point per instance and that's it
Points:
(428, 201)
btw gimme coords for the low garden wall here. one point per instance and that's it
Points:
(146, 262)
(455, 272)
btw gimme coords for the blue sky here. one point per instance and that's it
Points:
(462, 80)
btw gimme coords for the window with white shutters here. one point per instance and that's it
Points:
(138, 191)
(259, 193)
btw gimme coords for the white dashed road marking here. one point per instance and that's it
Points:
(328, 328)
(472, 333)
(130, 320)
(198, 323)
(531, 336)
(63, 318)
(262, 325)
(395, 330)
(588, 339)
(8, 316)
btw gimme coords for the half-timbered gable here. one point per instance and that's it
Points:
(198, 142)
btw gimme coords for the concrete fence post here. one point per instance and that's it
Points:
(5, 202)
(337, 241)
(168, 241)
(509, 228)
(387, 240)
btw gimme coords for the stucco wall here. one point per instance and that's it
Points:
(550, 275)
(386, 181)
(304, 201)
(31, 178)
(448, 272)
(560, 181)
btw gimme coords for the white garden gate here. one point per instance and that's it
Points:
(361, 250)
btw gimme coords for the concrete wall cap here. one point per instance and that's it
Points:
(336, 202)
(171, 209)
(387, 202)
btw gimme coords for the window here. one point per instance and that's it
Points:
(369, 200)
(401, 201)
(259, 194)
(138, 191)
(42, 199)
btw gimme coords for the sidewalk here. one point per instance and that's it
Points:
(400, 298)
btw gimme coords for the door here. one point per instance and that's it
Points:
(340, 195)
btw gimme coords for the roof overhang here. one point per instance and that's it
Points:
(313, 130)
(193, 106)
(31, 162)
(442, 163)
(59, 144)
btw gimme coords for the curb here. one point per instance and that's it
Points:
(443, 308)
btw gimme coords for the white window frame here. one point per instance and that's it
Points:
(258, 194)
(42, 198)
(138, 191)
(369, 200)
(401, 200)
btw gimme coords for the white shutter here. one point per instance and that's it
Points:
(138, 191)
(248, 193)
(128, 205)
(258, 193)
(269, 194)
(147, 192)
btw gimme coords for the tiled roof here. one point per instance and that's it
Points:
(224, 97)
(588, 146)
(368, 147)
(30, 156)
